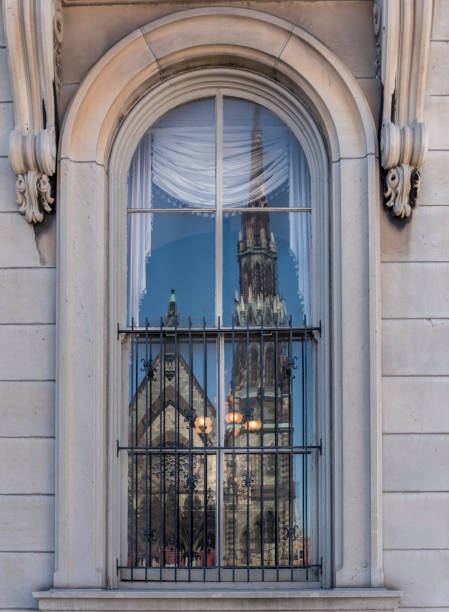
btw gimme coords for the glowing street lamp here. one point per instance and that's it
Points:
(234, 417)
(203, 425)
(253, 425)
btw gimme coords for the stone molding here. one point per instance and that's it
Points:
(402, 29)
(33, 31)
(264, 599)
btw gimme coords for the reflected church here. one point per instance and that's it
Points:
(173, 489)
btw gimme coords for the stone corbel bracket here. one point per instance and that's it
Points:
(33, 31)
(402, 29)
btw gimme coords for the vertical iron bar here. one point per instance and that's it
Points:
(136, 425)
(262, 400)
(177, 457)
(234, 484)
(164, 460)
(204, 452)
(151, 455)
(147, 532)
(305, 460)
(248, 418)
(276, 437)
(190, 415)
(219, 457)
(290, 456)
(131, 436)
(304, 506)
(161, 471)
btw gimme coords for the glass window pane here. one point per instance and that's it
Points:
(175, 525)
(174, 164)
(188, 392)
(266, 267)
(172, 484)
(220, 490)
(268, 399)
(171, 251)
(263, 162)
(267, 510)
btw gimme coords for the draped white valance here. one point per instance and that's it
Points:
(180, 161)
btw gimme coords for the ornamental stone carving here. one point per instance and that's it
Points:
(33, 31)
(402, 29)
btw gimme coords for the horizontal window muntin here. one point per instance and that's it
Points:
(225, 210)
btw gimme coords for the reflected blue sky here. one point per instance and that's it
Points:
(182, 258)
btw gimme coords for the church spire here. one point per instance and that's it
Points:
(171, 319)
(256, 248)
(257, 179)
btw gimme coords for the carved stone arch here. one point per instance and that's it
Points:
(134, 79)
(216, 36)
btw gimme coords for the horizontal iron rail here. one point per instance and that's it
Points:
(238, 450)
(307, 331)
(211, 568)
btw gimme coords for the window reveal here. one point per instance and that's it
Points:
(222, 449)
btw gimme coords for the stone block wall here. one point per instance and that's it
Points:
(415, 363)
(27, 371)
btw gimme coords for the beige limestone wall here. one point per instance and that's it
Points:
(415, 362)
(344, 25)
(27, 329)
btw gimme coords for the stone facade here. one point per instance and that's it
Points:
(415, 314)
(414, 303)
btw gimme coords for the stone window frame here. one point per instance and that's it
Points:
(144, 61)
(178, 90)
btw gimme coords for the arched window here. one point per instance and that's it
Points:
(317, 97)
(219, 265)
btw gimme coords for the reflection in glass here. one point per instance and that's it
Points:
(220, 490)
(173, 168)
(263, 162)
(182, 257)
(172, 488)
(264, 510)
(263, 277)
(174, 524)
(179, 151)
(268, 383)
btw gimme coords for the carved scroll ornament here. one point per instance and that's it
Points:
(33, 30)
(402, 29)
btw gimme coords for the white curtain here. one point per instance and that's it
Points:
(299, 196)
(140, 226)
(181, 162)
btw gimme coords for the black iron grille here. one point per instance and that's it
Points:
(222, 454)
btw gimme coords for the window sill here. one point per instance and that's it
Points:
(203, 599)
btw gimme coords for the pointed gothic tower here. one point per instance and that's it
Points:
(256, 250)
(260, 394)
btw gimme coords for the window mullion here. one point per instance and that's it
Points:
(219, 208)
(219, 317)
